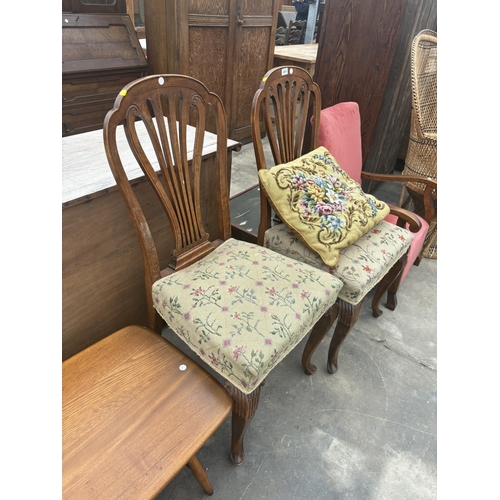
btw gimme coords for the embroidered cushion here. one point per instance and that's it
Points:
(243, 308)
(314, 197)
(360, 266)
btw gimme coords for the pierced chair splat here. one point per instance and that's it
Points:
(238, 306)
(360, 255)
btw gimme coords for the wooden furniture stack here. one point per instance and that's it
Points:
(227, 45)
(100, 55)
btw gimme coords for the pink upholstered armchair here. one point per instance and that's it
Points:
(340, 133)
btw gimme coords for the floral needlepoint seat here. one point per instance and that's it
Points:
(243, 308)
(360, 266)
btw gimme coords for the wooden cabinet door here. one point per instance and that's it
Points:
(226, 44)
(253, 55)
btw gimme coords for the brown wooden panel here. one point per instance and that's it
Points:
(391, 131)
(355, 55)
(209, 7)
(209, 43)
(251, 67)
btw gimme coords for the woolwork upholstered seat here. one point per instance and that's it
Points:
(361, 265)
(283, 102)
(340, 133)
(240, 307)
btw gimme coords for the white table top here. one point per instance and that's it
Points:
(85, 170)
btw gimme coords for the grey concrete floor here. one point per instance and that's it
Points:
(367, 432)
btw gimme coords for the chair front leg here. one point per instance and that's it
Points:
(347, 317)
(390, 284)
(392, 300)
(244, 408)
(316, 336)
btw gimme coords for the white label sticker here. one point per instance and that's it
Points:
(284, 71)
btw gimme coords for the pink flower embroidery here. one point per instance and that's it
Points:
(238, 350)
(304, 294)
(224, 309)
(295, 285)
(367, 269)
(186, 316)
(232, 289)
(227, 342)
(268, 341)
(198, 291)
(273, 292)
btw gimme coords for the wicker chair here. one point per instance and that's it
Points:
(421, 157)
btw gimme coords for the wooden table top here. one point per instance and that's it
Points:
(302, 52)
(85, 170)
(135, 409)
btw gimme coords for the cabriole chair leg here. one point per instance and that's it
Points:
(347, 317)
(244, 408)
(390, 284)
(316, 336)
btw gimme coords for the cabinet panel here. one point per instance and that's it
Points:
(226, 44)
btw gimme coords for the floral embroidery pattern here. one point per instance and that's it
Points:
(360, 266)
(321, 203)
(243, 308)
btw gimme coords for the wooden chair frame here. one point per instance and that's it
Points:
(176, 97)
(286, 97)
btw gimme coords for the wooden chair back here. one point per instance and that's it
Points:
(160, 115)
(294, 33)
(285, 99)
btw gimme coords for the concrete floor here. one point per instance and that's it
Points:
(368, 432)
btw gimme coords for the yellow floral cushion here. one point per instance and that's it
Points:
(314, 197)
(243, 308)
